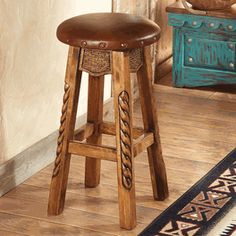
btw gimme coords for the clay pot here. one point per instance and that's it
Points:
(208, 5)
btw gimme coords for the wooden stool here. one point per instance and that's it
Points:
(97, 40)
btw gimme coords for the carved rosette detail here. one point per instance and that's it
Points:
(57, 164)
(125, 139)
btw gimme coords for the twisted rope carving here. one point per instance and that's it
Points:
(125, 139)
(57, 164)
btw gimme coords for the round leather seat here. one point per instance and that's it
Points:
(108, 31)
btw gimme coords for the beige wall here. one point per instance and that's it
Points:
(32, 67)
(156, 11)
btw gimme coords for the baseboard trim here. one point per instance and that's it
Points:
(35, 158)
(27, 163)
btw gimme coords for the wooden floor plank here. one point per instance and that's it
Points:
(11, 233)
(108, 186)
(198, 107)
(141, 175)
(21, 225)
(91, 204)
(108, 189)
(226, 92)
(190, 147)
(70, 217)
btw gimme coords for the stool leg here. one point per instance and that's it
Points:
(95, 116)
(66, 132)
(148, 105)
(124, 139)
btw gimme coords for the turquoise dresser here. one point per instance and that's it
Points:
(204, 47)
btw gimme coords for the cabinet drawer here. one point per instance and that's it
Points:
(209, 53)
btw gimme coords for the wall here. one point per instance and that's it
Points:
(32, 67)
(154, 10)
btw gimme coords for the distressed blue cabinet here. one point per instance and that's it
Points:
(204, 49)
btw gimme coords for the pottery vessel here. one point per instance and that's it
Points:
(207, 5)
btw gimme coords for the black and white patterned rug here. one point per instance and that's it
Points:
(208, 208)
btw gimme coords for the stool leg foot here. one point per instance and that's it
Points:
(66, 132)
(148, 105)
(95, 116)
(124, 140)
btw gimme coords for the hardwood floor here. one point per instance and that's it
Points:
(197, 128)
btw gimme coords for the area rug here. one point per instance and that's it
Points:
(208, 208)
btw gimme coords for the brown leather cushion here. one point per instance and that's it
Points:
(110, 31)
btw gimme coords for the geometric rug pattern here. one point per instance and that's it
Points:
(202, 208)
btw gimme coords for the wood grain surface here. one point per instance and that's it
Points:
(66, 132)
(94, 115)
(123, 106)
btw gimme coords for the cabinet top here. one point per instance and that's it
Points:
(178, 8)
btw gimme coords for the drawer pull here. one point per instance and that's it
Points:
(190, 59)
(230, 27)
(231, 45)
(231, 65)
(194, 23)
(212, 24)
(190, 40)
